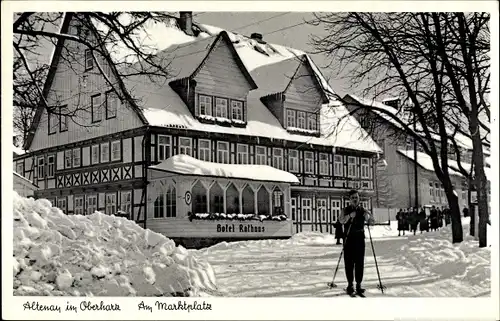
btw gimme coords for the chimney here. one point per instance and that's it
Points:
(257, 36)
(186, 22)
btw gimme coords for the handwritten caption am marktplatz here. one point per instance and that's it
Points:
(179, 305)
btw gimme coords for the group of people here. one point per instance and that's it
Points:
(409, 219)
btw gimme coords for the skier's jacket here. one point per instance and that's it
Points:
(358, 223)
(401, 220)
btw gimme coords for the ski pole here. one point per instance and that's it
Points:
(379, 286)
(332, 284)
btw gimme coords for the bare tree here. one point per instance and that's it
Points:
(431, 60)
(115, 41)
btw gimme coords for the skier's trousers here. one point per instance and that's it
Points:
(354, 257)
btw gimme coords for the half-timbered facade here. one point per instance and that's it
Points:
(231, 100)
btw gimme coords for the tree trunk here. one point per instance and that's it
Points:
(456, 220)
(480, 180)
(472, 230)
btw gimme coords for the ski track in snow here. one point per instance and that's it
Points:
(424, 265)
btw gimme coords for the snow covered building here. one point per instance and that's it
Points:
(395, 182)
(242, 127)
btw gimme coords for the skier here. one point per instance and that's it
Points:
(434, 218)
(424, 224)
(354, 217)
(413, 220)
(339, 233)
(400, 219)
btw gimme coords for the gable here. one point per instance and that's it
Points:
(222, 74)
(303, 91)
(70, 85)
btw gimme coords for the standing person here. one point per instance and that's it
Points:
(466, 212)
(354, 217)
(424, 224)
(399, 218)
(413, 220)
(440, 217)
(447, 216)
(406, 226)
(434, 218)
(339, 233)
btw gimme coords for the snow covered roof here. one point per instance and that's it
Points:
(269, 65)
(24, 179)
(425, 161)
(17, 150)
(461, 140)
(187, 165)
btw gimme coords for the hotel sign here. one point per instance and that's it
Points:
(240, 228)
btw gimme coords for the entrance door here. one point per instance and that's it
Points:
(336, 208)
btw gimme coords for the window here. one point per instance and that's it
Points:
(104, 152)
(78, 205)
(126, 202)
(41, 167)
(278, 158)
(116, 150)
(323, 164)
(205, 105)
(338, 165)
(223, 152)
(309, 162)
(221, 107)
(171, 205)
(68, 158)
(159, 206)
(89, 60)
(336, 208)
(351, 167)
(185, 146)
(431, 191)
(96, 108)
(61, 204)
(76, 157)
(204, 150)
(20, 168)
(293, 160)
(260, 155)
(293, 207)
(306, 210)
(91, 204)
(277, 202)
(63, 118)
(52, 123)
(111, 203)
(321, 203)
(95, 154)
(50, 166)
(242, 154)
(301, 120)
(111, 104)
(164, 147)
(290, 118)
(237, 110)
(365, 168)
(311, 122)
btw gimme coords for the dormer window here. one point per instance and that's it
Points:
(236, 110)
(221, 107)
(290, 118)
(301, 120)
(205, 105)
(311, 122)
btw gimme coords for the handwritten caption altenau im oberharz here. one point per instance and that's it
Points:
(83, 306)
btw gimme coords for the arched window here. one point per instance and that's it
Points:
(232, 200)
(170, 202)
(278, 202)
(248, 200)
(199, 198)
(263, 201)
(216, 199)
(159, 206)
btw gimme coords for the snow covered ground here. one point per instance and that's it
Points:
(102, 255)
(426, 265)
(98, 255)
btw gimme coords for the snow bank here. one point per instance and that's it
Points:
(434, 252)
(98, 255)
